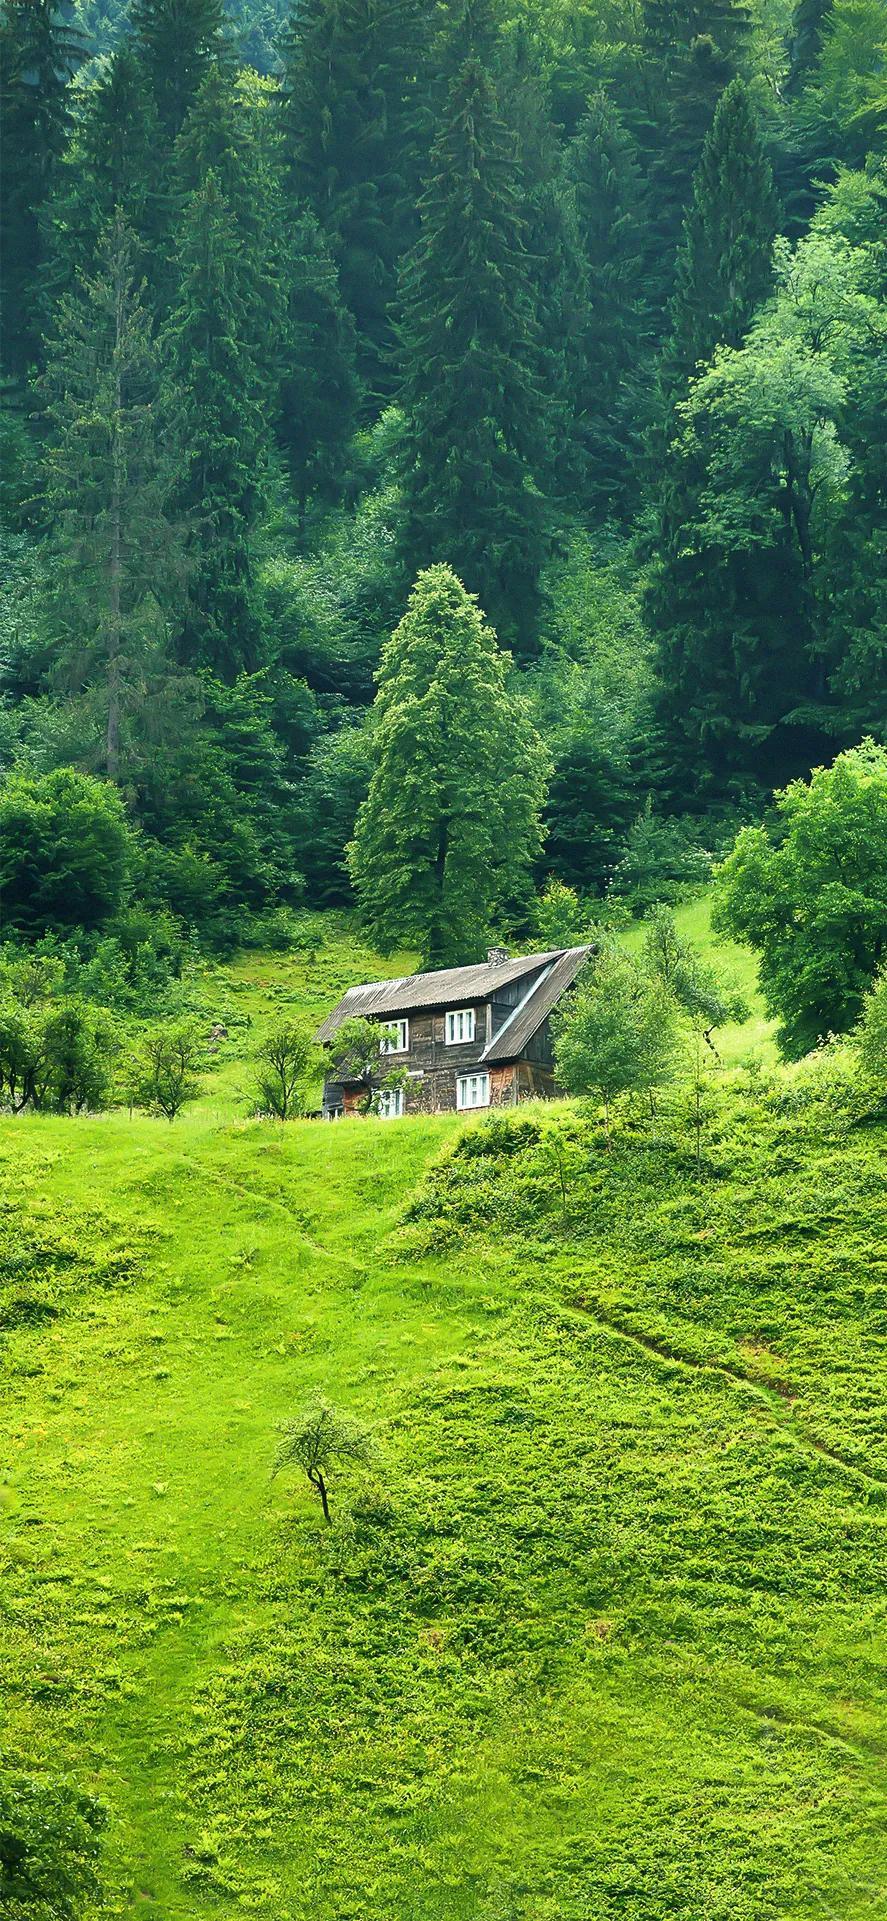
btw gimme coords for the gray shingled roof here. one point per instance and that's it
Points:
(516, 1033)
(454, 986)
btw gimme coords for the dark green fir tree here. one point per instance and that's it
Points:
(609, 364)
(476, 438)
(693, 49)
(217, 415)
(38, 54)
(355, 133)
(112, 164)
(224, 135)
(724, 266)
(319, 392)
(108, 476)
(176, 40)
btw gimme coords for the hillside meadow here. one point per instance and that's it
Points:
(597, 1635)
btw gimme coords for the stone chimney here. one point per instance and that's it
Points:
(496, 956)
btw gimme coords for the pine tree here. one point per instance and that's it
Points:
(319, 387)
(107, 487)
(353, 122)
(476, 433)
(38, 54)
(176, 41)
(607, 364)
(450, 826)
(218, 418)
(724, 264)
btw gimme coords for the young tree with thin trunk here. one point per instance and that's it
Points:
(316, 1441)
(285, 1062)
(163, 1074)
(447, 834)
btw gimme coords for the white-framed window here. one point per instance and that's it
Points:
(459, 1026)
(390, 1103)
(472, 1090)
(395, 1038)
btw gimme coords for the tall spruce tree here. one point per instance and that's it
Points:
(223, 135)
(112, 164)
(476, 434)
(693, 49)
(217, 411)
(107, 484)
(609, 353)
(319, 392)
(38, 54)
(176, 41)
(445, 839)
(724, 264)
(354, 134)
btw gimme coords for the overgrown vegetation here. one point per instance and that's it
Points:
(562, 1655)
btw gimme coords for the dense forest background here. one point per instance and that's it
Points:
(586, 302)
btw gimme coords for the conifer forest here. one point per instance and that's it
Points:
(586, 304)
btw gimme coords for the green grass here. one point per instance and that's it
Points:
(600, 1634)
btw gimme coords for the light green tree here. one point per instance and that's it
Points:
(617, 1034)
(162, 1074)
(444, 841)
(810, 896)
(871, 1033)
(285, 1061)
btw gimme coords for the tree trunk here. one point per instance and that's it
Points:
(317, 1481)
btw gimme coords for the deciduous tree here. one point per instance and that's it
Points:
(617, 1034)
(811, 897)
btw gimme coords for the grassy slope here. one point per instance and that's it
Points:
(751, 1039)
(601, 1637)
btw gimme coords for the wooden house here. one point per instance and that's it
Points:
(465, 1037)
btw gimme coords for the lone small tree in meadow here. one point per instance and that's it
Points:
(163, 1072)
(285, 1062)
(316, 1441)
(618, 1033)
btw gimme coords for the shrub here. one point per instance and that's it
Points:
(49, 1847)
(871, 1033)
(562, 919)
(162, 1074)
(65, 851)
(663, 861)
